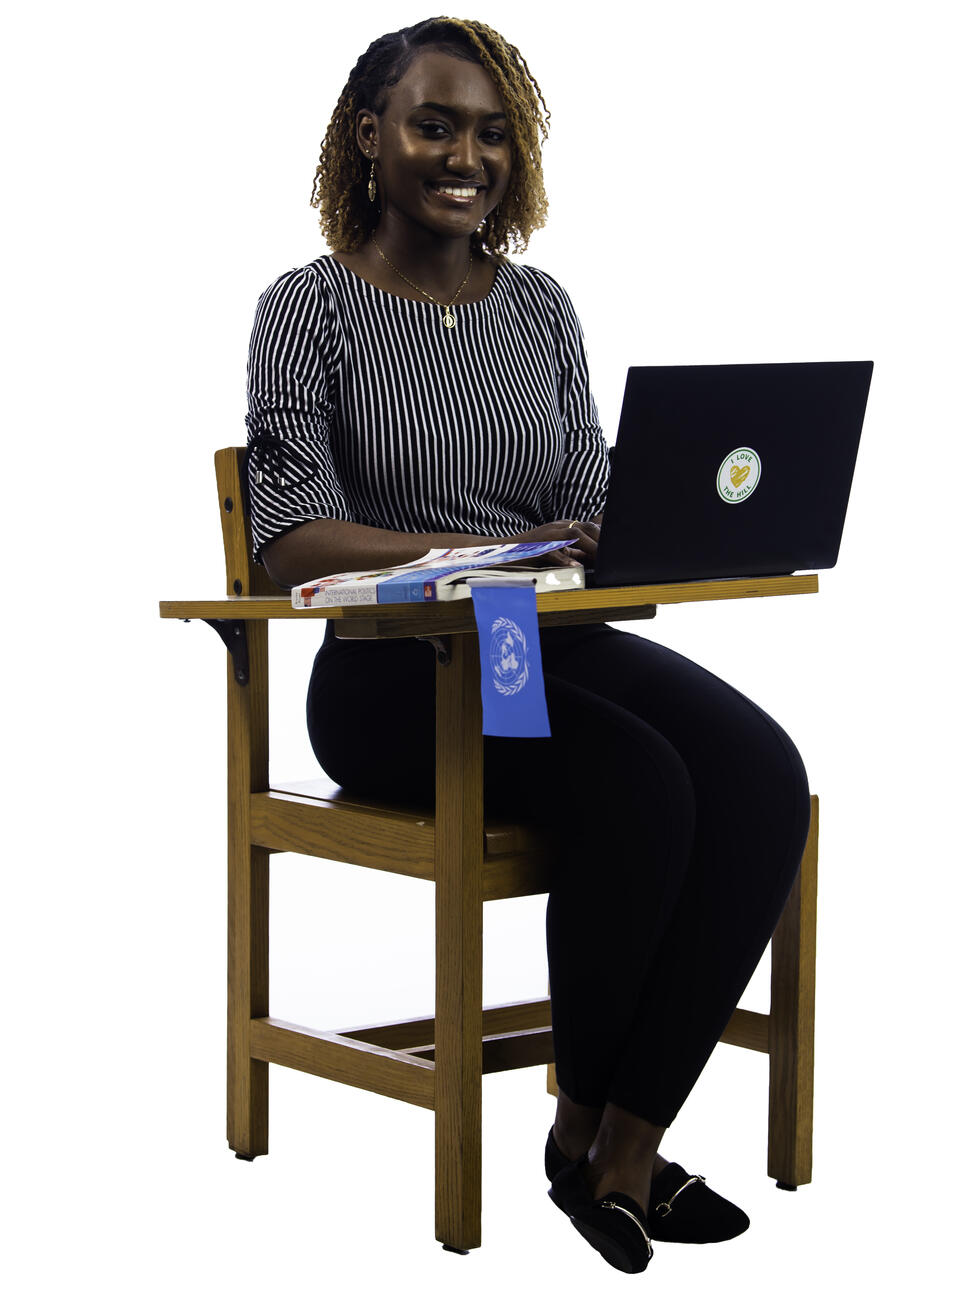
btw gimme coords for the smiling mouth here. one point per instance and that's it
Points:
(459, 195)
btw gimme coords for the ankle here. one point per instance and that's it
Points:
(625, 1138)
(575, 1126)
(603, 1155)
(573, 1140)
(633, 1179)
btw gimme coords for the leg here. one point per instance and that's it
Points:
(739, 761)
(637, 792)
(575, 1126)
(388, 749)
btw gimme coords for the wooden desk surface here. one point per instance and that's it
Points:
(591, 604)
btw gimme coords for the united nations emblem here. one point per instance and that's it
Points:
(508, 656)
(738, 475)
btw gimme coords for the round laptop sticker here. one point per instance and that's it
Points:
(738, 475)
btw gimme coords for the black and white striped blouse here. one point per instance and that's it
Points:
(363, 406)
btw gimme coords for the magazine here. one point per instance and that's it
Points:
(440, 575)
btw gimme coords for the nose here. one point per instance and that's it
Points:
(465, 155)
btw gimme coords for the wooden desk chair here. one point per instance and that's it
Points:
(438, 1061)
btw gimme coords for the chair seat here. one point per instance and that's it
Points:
(320, 818)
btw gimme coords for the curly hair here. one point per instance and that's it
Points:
(346, 216)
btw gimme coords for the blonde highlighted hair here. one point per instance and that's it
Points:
(346, 215)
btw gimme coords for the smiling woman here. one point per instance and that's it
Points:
(442, 164)
(515, 119)
(416, 388)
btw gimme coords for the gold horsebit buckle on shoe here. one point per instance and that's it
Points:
(664, 1207)
(614, 1205)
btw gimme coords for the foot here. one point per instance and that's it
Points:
(572, 1145)
(631, 1177)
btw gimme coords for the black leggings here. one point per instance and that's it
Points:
(682, 810)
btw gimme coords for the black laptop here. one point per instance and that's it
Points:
(730, 471)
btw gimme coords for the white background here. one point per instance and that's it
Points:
(728, 182)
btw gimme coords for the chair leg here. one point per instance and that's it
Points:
(247, 912)
(458, 859)
(791, 1038)
(247, 983)
(551, 1081)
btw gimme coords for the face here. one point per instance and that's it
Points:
(442, 146)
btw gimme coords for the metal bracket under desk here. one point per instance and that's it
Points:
(440, 646)
(233, 633)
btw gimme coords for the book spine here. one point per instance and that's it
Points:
(406, 589)
(359, 593)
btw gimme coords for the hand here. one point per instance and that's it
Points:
(584, 536)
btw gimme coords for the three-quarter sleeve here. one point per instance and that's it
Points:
(293, 347)
(580, 489)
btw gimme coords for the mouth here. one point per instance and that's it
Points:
(456, 196)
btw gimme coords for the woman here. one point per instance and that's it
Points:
(415, 389)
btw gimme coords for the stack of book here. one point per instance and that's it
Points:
(442, 575)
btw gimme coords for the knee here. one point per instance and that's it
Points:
(780, 790)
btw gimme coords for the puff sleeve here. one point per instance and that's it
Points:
(293, 352)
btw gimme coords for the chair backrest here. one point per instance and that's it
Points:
(244, 577)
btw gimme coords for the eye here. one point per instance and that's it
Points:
(494, 136)
(431, 127)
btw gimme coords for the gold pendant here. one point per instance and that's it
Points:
(449, 320)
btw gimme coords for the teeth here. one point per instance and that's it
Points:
(463, 192)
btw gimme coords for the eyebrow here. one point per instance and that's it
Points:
(443, 108)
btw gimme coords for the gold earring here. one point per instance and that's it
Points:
(372, 183)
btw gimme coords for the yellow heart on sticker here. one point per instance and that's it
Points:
(739, 473)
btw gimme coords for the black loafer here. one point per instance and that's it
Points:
(682, 1207)
(614, 1224)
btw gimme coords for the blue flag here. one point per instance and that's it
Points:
(511, 680)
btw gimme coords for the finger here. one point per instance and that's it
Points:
(577, 533)
(583, 540)
(546, 560)
(589, 529)
(565, 557)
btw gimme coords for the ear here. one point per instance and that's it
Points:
(367, 132)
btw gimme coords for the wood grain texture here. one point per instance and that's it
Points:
(439, 1061)
(747, 1029)
(316, 818)
(247, 887)
(518, 875)
(248, 878)
(437, 618)
(510, 1051)
(792, 1023)
(244, 577)
(500, 836)
(346, 1060)
(458, 858)
(367, 837)
(500, 1018)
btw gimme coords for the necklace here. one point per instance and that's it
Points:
(449, 320)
